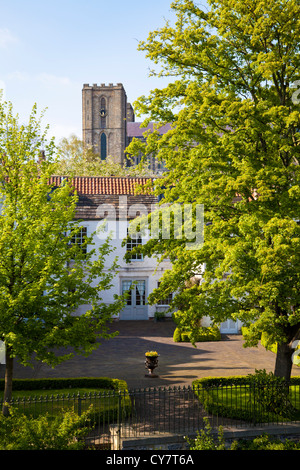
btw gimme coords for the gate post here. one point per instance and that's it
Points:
(115, 434)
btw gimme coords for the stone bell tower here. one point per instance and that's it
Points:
(105, 113)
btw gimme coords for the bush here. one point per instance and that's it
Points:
(108, 406)
(265, 442)
(257, 397)
(177, 335)
(272, 393)
(201, 335)
(63, 432)
(60, 383)
(205, 440)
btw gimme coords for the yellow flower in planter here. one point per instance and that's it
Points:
(151, 354)
(151, 362)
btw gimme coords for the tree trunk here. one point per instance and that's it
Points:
(8, 381)
(283, 365)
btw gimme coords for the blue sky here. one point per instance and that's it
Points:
(48, 50)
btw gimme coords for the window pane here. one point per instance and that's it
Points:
(126, 287)
(79, 238)
(140, 293)
(133, 242)
(167, 300)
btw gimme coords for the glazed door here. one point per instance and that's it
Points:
(229, 326)
(136, 308)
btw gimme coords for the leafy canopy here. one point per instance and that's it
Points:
(74, 159)
(44, 275)
(234, 147)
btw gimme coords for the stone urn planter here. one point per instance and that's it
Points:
(151, 363)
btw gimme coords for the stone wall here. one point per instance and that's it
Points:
(173, 442)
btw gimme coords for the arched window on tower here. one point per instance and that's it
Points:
(103, 146)
(103, 113)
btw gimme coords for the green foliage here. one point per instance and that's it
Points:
(207, 382)
(60, 383)
(264, 339)
(64, 432)
(73, 159)
(272, 393)
(177, 335)
(234, 148)
(199, 335)
(265, 442)
(159, 316)
(44, 277)
(265, 343)
(258, 397)
(206, 440)
(106, 399)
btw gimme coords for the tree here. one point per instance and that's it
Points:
(74, 159)
(234, 147)
(44, 275)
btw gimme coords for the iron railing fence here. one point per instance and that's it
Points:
(114, 414)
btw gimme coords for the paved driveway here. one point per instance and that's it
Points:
(179, 363)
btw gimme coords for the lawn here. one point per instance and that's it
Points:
(240, 402)
(244, 402)
(103, 402)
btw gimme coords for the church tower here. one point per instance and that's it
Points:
(105, 113)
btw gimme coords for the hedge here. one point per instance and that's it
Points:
(203, 334)
(60, 383)
(207, 382)
(111, 409)
(206, 387)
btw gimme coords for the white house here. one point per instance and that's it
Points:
(114, 201)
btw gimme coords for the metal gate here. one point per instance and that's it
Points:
(150, 412)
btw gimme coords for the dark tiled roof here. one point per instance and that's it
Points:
(124, 207)
(134, 129)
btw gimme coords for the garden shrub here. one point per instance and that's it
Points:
(272, 393)
(64, 432)
(201, 335)
(205, 440)
(177, 335)
(265, 442)
(257, 397)
(185, 337)
(114, 402)
(59, 383)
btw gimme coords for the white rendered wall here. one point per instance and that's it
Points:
(146, 268)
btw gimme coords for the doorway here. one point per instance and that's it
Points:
(229, 327)
(136, 308)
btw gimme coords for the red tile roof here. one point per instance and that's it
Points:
(103, 185)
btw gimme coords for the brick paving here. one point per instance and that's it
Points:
(179, 363)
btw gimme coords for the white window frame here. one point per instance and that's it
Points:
(79, 238)
(132, 242)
